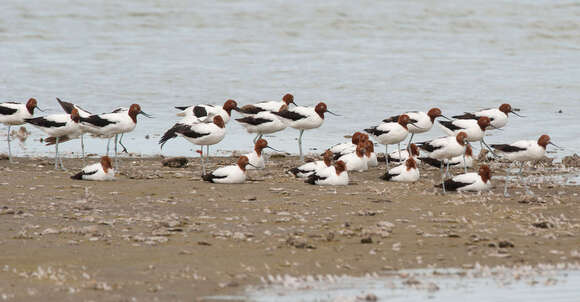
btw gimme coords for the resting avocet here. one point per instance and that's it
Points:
(332, 176)
(356, 161)
(309, 168)
(256, 157)
(407, 172)
(348, 147)
(474, 182)
(394, 156)
(233, 174)
(457, 161)
(523, 151)
(99, 171)
(13, 114)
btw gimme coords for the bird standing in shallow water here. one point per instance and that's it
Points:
(497, 116)
(60, 127)
(522, 151)
(304, 118)
(274, 106)
(263, 122)
(68, 108)
(99, 171)
(201, 134)
(108, 125)
(13, 114)
(422, 122)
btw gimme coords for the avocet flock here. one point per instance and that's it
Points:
(204, 125)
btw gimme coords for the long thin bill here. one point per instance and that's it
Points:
(332, 113)
(517, 114)
(443, 116)
(555, 145)
(416, 126)
(39, 109)
(145, 114)
(274, 149)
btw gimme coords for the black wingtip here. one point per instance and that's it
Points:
(294, 171)
(431, 161)
(208, 177)
(310, 180)
(181, 107)
(387, 176)
(78, 176)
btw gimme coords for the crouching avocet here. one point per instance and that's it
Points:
(99, 171)
(476, 182)
(407, 172)
(310, 168)
(233, 174)
(332, 176)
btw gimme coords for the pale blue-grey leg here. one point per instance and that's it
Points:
(206, 154)
(256, 138)
(56, 154)
(116, 160)
(409, 143)
(464, 163)
(9, 150)
(108, 143)
(83, 148)
(442, 178)
(121, 143)
(399, 148)
(202, 162)
(507, 179)
(523, 180)
(300, 145)
(387, 156)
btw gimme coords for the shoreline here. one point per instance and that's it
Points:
(159, 232)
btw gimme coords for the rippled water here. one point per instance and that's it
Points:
(365, 59)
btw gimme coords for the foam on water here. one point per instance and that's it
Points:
(367, 60)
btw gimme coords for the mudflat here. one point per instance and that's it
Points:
(162, 234)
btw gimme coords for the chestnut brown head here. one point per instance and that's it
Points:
(106, 163)
(219, 121)
(485, 173)
(468, 150)
(369, 147)
(229, 105)
(260, 145)
(461, 138)
(320, 109)
(360, 148)
(414, 150)
(544, 140)
(243, 162)
(340, 167)
(74, 115)
(483, 122)
(328, 155)
(410, 163)
(288, 99)
(356, 137)
(135, 110)
(403, 120)
(505, 108)
(31, 104)
(434, 113)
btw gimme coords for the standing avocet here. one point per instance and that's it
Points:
(414, 150)
(407, 172)
(13, 114)
(522, 151)
(68, 108)
(457, 161)
(202, 134)
(263, 122)
(59, 126)
(205, 113)
(446, 148)
(107, 125)
(310, 168)
(391, 133)
(498, 116)
(99, 171)
(304, 118)
(250, 109)
(332, 176)
(421, 122)
(474, 182)
(475, 129)
(233, 174)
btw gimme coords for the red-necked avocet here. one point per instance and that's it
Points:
(250, 109)
(523, 151)
(391, 133)
(407, 172)
(473, 182)
(309, 168)
(13, 114)
(205, 112)
(102, 170)
(263, 122)
(421, 122)
(332, 176)
(497, 116)
(233, 174)
(256, 157)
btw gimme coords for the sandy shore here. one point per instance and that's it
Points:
(159, 233)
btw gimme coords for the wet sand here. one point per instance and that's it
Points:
(161, 234)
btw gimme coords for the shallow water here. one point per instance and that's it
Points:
(367, 60)
(421, 285)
